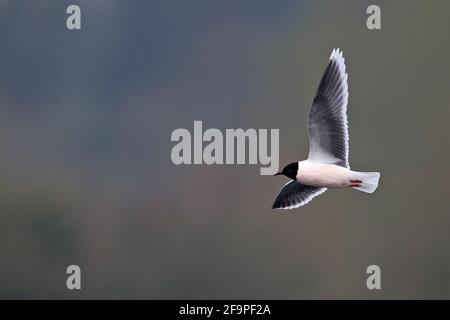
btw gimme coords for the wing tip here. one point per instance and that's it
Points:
(337, 54)
(277, 205)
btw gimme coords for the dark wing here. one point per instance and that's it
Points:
(328, 130)
(294, 195)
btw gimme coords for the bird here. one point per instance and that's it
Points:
(327, 165)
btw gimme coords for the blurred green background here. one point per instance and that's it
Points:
(86, 176)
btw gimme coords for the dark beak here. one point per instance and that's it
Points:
(277, 174)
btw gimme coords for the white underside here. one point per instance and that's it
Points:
(318, 174)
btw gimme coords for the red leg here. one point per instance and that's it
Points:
(355, 183)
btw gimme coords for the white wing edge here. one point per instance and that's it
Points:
(302, 203)
(338, 56)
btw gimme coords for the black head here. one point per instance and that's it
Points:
(290, 170)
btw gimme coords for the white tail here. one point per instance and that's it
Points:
(369, 181)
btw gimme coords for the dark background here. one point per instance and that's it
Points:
(86, 176)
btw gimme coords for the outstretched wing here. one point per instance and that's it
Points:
(328, 129)
(294, 195)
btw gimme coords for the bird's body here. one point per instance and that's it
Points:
(327, 165)
(318, 174)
